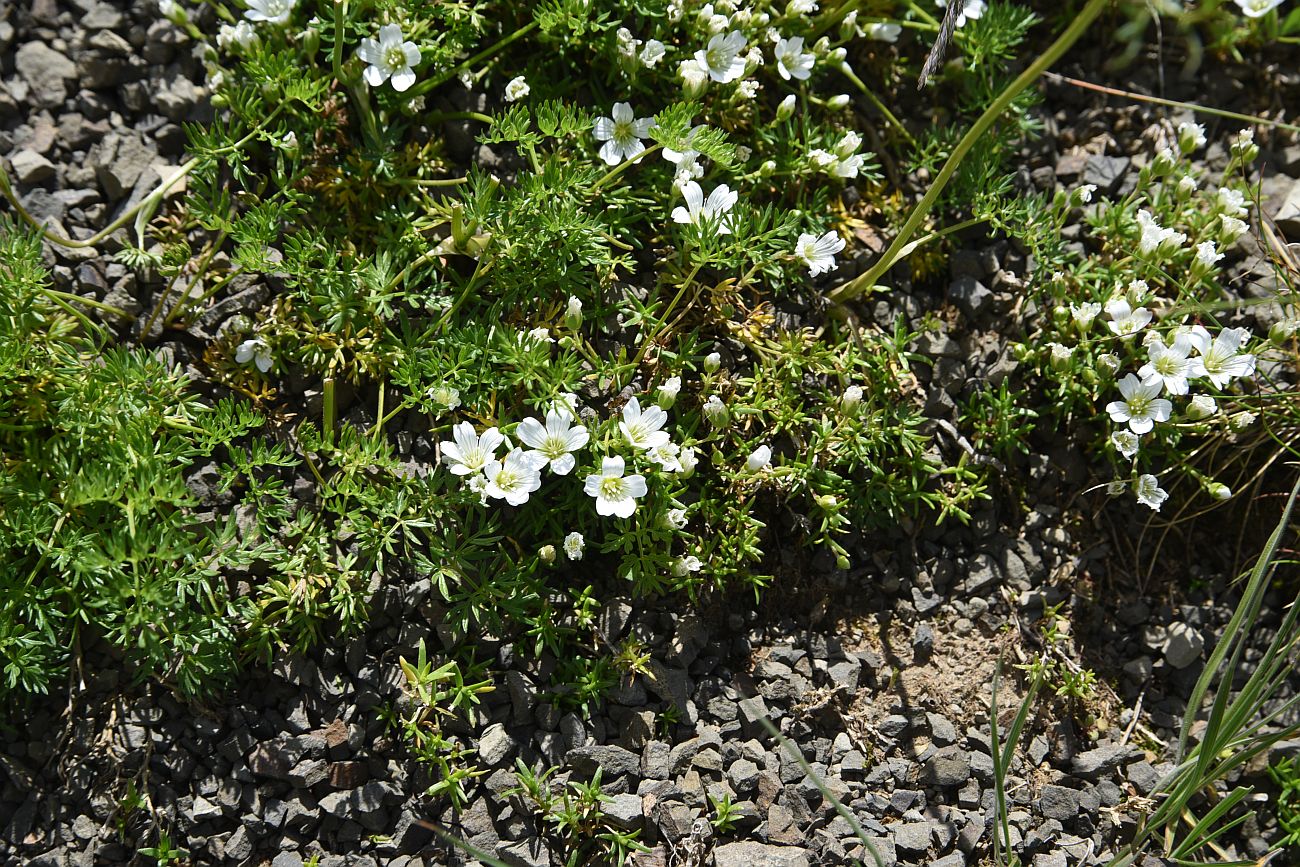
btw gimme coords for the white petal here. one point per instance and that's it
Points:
(634, 486)
(603, 128)
(390, 35)
(611, 153)
(412, 52)
(531, 432)
(622, 112)
(375, 76)
(403, 79)
(611, 466)
(563, 465)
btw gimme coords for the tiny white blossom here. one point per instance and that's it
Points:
(1257, 8)
(622, 134)
(786, 108)
(716, 411)
(1125, 442)
(668, 391)
(1207, 255)
(684, 566)
(759, 459)
(851, 400)
(1148, 491)
(688, 461)
(470, 452)
(556, 441)
(1219, 360)
(1191, 136)
(666, 455)
(748, 90)
(1124, 320)
(1201, 406)
(574, 545)
(1116, 487)
(641, 428)
(1186, 185)
(1242, 420)
(818, 253)
(1232, 202)
(676, 518)
(1231, 229)
(615, 493)
(791, 60)
(445, 395)
(240, 33)
(1084, 314)
(721, 58)
(517, 89)
(1219, 491)
(1083, 194)
(270, 11)
(390, 58)
(652, 53)
(800, 7)
(478, 484)
(713, 210)
(712, 362)
(884, 31)
(1141, 407)
(693, 75)
(257, 351)
(514, 477)
(1154, 237)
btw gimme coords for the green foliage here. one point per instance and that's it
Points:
(578, 830)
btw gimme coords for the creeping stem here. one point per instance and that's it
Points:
(857, 286)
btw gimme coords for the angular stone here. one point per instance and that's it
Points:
(1184, 646)
(1287, 216)
(1058, 802)
(495, 746)
(30, 167)
(969, 294)
(624, 811)
(913, 838)
(949, 766)
(1096, 763)
(749, 853)
(613, 761)
(1105, 173)
(526, 853)
(46, 71)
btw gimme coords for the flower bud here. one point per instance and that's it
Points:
(839, 102)
(1082, 195)
(767, 168)
(827, 502)
(1201, 406)
(849, 25)
(851, 402)
(1108, 364)
(1163, 164)
(1060, 356)
(837, 55)
(1244, 147)
(842, 562)
(1116, 488)
(716, 412)
(759, 459)
(1281, 332)
(1191, 136)
(687, 458)
(546, 554)
(712, 362)
(667, 392)
(573, 314)
(310, 41)
(785, 109)
(1218, 490)
(1242, 420)
(1186, 186)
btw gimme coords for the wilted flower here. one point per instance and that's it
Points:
(1207, 255)
(676, 518)
(1154, 237)
(241, 33)
(546, 554)
(716, 411)
(1230, 229)
(665, 455)
(517, 89)
(688, 461)
(390, 58)
(1125, 442)
(818, 253)
(574, 545)
(1231, 202)
(1242, 420)
(445, 395)
(615, 493)
(851, 400)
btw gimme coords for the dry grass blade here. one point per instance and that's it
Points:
(939, 51)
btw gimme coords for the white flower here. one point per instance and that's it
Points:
(652, 53)
(389, 58)
(683, 566)
(255, 350)
(884, 31)
(574, 545)
(615, 493)
(1084, 314)
(1125, 442)
(1207, 255)
(1169, 363)
(818, 253)
(1257, 8)
(271, 11)
(1201, 406)
(1084, 193)
(721, 58)
(621, 134)
(1124, 320)
(627, 43)
(517, 89)
(712, 362)
(687, 154)
(470, 452)
(693, 75)
(800, 7)
(748, 89)
(1186, 185)
(971, 10)
(1242, 420)
(668, 392)
(1060, 354)
(554, 442)
(1219, 491)
(640, 428)
(1141, 406)
(1219, 360)
(712, 210)
(666, 456)
(785, 108)
(478, 484)
(1231, 202)
(514, 477)
(676, 518)
(822, 159)
(1154, 237)
(1148, 491)
(758, 459)
(791, 60)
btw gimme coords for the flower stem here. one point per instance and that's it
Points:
(855, 287)
(847, 72)
(621, 167)
(426, 86)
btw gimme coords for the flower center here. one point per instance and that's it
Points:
(507, 479)
(1167, 365)
(1138, 405)
(623, 130)
(553, 446)
(611, 487)
(395, 57)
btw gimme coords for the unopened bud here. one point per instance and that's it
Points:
(839, 102)
(785, 109)
(573, 314)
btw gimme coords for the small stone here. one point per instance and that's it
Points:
(46, 71)
(752, 711)
(1058, 802)
(612, 761)
(1288, 213)
(749, 853)
(942, 732)
(30, 167)
(1100, 761)
(1184, 646)
(983, 572)
(526, 853)
(624, 811)
(496, 745)
(923, 642)
(1105, 173)
(952, 859)
(972, 296)
(743, 776)
(691, 637)
(949, 766)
